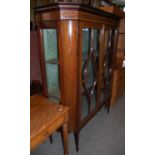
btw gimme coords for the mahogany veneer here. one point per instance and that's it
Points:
(79, 62)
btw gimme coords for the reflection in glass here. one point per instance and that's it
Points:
(107, 65)
(88, 73)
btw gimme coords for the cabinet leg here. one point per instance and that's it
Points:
(64, 135)
(105, 105)
(51, 139)
(76, 137)
(108, 106)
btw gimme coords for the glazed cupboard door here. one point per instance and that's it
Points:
(107, 63)
(90, 53)
(49, 54)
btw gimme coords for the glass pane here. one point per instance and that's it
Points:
(89, 74)
(50, 44)
(96, 35)
(52, 75)
(85, 107)
(85, 42)
(93, 99)
(51, 63)
(107, 66)
(90, 63)
(96, 46)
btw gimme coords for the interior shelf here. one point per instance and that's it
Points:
(53, 61)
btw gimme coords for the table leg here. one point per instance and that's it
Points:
(65, 139)
(51, 139)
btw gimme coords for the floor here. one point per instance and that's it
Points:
(103, 135)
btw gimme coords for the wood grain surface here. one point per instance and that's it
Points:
(45, 118)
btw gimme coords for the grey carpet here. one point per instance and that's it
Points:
(103, 135)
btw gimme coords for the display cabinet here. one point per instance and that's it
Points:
(77, 49)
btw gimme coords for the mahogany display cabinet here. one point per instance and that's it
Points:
(77, 46)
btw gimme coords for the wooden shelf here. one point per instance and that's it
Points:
(53, 61)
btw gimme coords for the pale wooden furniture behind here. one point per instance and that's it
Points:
(118, 81)
(118, 88)
(45, 118)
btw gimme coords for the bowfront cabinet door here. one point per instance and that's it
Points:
(90, 51)
(107, 63)
(50, 63)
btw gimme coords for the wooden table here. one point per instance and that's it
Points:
(45, 118)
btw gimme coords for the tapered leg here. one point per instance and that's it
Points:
(108, 106)
(105, 106)
(76, 137)
(51, 139)
(65, 139)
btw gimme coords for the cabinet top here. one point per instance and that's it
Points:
(70, 7)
